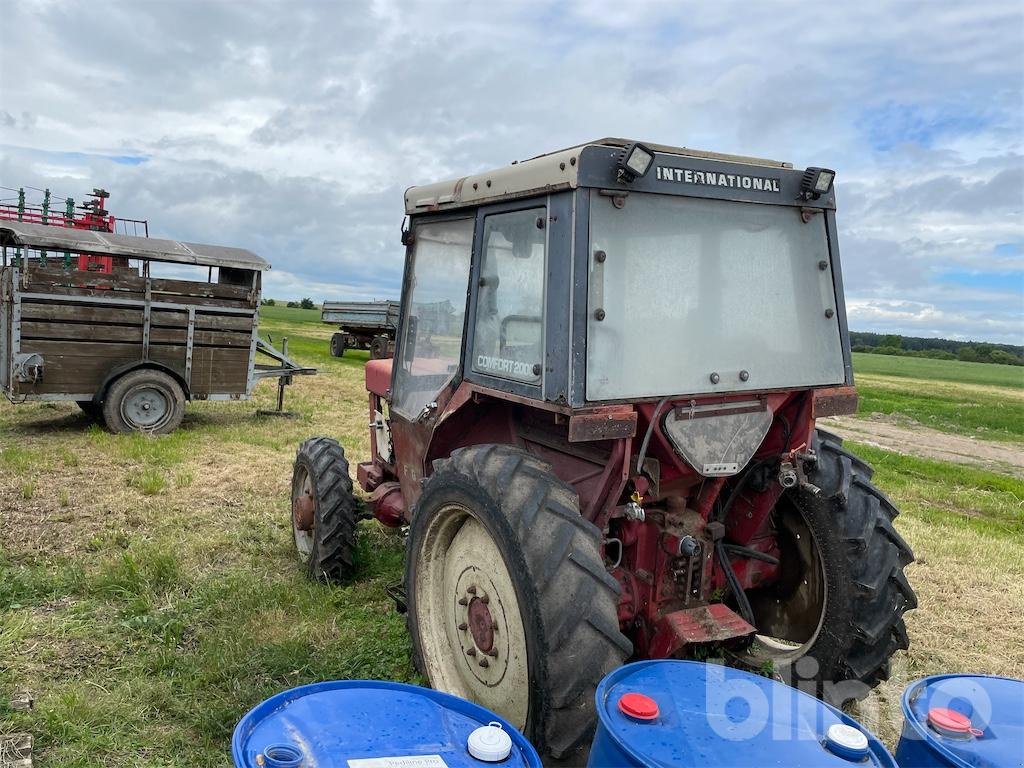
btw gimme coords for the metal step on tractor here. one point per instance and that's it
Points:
(604, 446)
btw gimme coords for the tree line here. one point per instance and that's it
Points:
(939, 349)
(301, 303)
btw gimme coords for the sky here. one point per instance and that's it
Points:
(293, 129)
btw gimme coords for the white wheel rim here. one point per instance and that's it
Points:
(462, 579)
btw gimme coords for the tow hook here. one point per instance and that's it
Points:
(792, 473)
(787, 475)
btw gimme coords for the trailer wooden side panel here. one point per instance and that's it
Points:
(87, 326)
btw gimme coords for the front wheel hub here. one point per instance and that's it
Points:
(481, 625)
(303, 508)
(484, 642)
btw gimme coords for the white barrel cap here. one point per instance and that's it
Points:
(490, 743)
(846, 741)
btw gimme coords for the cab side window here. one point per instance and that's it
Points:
(434, 315)
(509, 334)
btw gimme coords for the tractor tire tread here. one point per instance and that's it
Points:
(577, 622)
(875, 558)
(333, 555)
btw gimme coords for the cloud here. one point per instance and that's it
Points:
(295, 133)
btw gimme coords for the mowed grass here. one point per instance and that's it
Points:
(966, 528)
(149, 593)
(976, 399)
(985, 374)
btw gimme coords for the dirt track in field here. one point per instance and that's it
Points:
(917, 440)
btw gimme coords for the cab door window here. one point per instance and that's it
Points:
(434, 314)
(509, 331)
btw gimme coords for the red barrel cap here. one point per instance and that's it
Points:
(638, 706)
(950, 721)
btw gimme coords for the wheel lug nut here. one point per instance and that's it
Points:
(494, 626)
(485, 599)
(471, 590)
(463, 601)
(492, 653)
(471, 652)
(484, 663)
(463, 627)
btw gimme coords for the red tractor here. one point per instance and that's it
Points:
(599, 426)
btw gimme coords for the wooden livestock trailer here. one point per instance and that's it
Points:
(362, 325)
(122, 343)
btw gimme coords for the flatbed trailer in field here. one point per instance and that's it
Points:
(121, 343)
(362, 325)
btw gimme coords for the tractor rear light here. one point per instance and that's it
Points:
(816, 182)
(634, 162)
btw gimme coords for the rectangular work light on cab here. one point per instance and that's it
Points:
(634, 162)
(816, 182)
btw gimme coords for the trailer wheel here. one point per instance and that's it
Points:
(91, 408)
(324, 510)
(379, 347)
(144, 400)
(510, 604)
(338, 344)
(835, 617)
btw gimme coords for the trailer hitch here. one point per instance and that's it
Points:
(792, 472)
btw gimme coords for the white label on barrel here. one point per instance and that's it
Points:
(409, 761)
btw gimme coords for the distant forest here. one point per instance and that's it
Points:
(940, 349)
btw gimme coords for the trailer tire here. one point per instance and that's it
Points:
(91, 408)
(144, 400)
(379, 347)
(865, 591)
(338, 344)
(321, 474)
(498, 519)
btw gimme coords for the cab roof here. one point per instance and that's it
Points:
(545, 173)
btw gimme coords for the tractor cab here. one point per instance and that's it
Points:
(600, 427)
(578, 281)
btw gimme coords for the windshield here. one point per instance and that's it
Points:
(690, 296)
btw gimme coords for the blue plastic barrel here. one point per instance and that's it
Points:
(962, 721)
(685, 713)
(372, 723)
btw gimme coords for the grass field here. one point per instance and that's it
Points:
(149, 594)
(976, 399)
(956, 371)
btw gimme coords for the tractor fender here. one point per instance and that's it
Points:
(120, 370)
(378, 376)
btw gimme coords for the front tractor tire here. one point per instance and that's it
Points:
(510, 604)
(324, 510)
(840, 602)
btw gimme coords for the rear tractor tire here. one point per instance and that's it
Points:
(324, 510)
(509, 601)
(339, 342)
(144, 400)
(834, 619)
